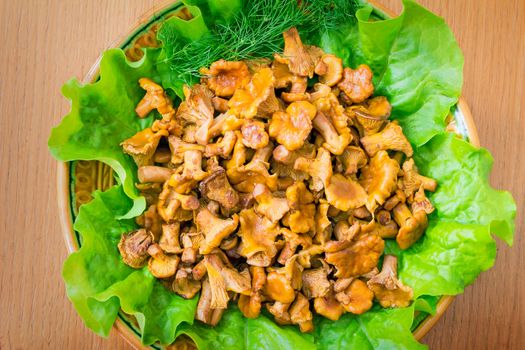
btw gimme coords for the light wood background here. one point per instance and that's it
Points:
(45, 42)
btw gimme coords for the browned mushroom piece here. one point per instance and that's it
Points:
(169, 240)
(225, 77)
(323, 225)
(357, 84)
(213, 228)
(245, 102)
(190, 241)
(220, 104)
(222, 273)
(291, 128)
(301, 59)
(345, 193)
(343, 231)
(301, 217)
(283, 282)
(170, 201)
(379, 179)
(413, 181)
(250, 306)
(391, 138)
(353, 259)
(356, 298)
(292, 241)
(184, 284)
(142, 145)
(334, 141)
(257, 238)
(300, 313)
(133, 247)
(254, 134)
(151, 221)
(280, 312)
(329, 69)
(353, 158)
(223, 147)
(384, 227)
(197, 109)
(160, 264)
(328, 306)
(216, 187)
(205, 312)
(388, 290)
(421, 203)
(273, 208)
(320, 168)
(411, 227)
(315, 282)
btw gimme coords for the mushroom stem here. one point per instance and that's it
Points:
(150, 173)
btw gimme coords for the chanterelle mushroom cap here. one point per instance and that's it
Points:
(155, 98)
(133, 247)
(353, 259)
(333, 141)
(280, 312)
(274, 208)
(246, 101)
(329, 69)
(320, 168)
(323, 225)
(379, 179)
(411, 227)
(184, 284)
(214, 228)
(391, 138)
(234, 281)
(225, 77)
(344, 193)
(250, 306)
(301, 218)
(197, 109)
(356, 298)
(161, 265)
(216, 187)
(353, 159)
(388, 290)
(254, 134)
(315, 282)
(329, 307)
(258, 236)
(142, 145)
(412, 180)
(223, 147)
(300, 313)
(301, 60)
(357, 84)
(291, 128)
(281, 283)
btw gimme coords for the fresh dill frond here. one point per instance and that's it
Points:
(255, 32)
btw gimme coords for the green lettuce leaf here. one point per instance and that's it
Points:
(376, 329)
(98, 283)
(103, 115)
(235, 331)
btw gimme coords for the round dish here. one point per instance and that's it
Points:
(92, 175)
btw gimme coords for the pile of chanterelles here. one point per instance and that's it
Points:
(271, 188)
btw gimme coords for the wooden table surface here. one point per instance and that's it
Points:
(45, 42)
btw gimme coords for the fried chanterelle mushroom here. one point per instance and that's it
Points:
(274, 185)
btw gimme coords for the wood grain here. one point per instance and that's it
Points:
(45, 42)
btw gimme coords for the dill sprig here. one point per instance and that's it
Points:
(255, 32)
